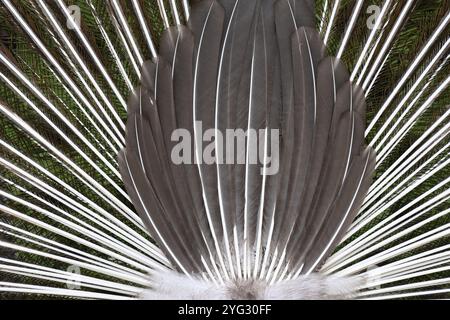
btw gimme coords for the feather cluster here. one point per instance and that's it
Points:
(223, 230)
(248, 65)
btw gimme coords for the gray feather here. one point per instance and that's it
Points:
(206, 23)
(344, 211)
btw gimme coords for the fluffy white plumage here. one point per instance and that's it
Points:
(171, 285)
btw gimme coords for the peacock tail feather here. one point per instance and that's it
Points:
(91, 206)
